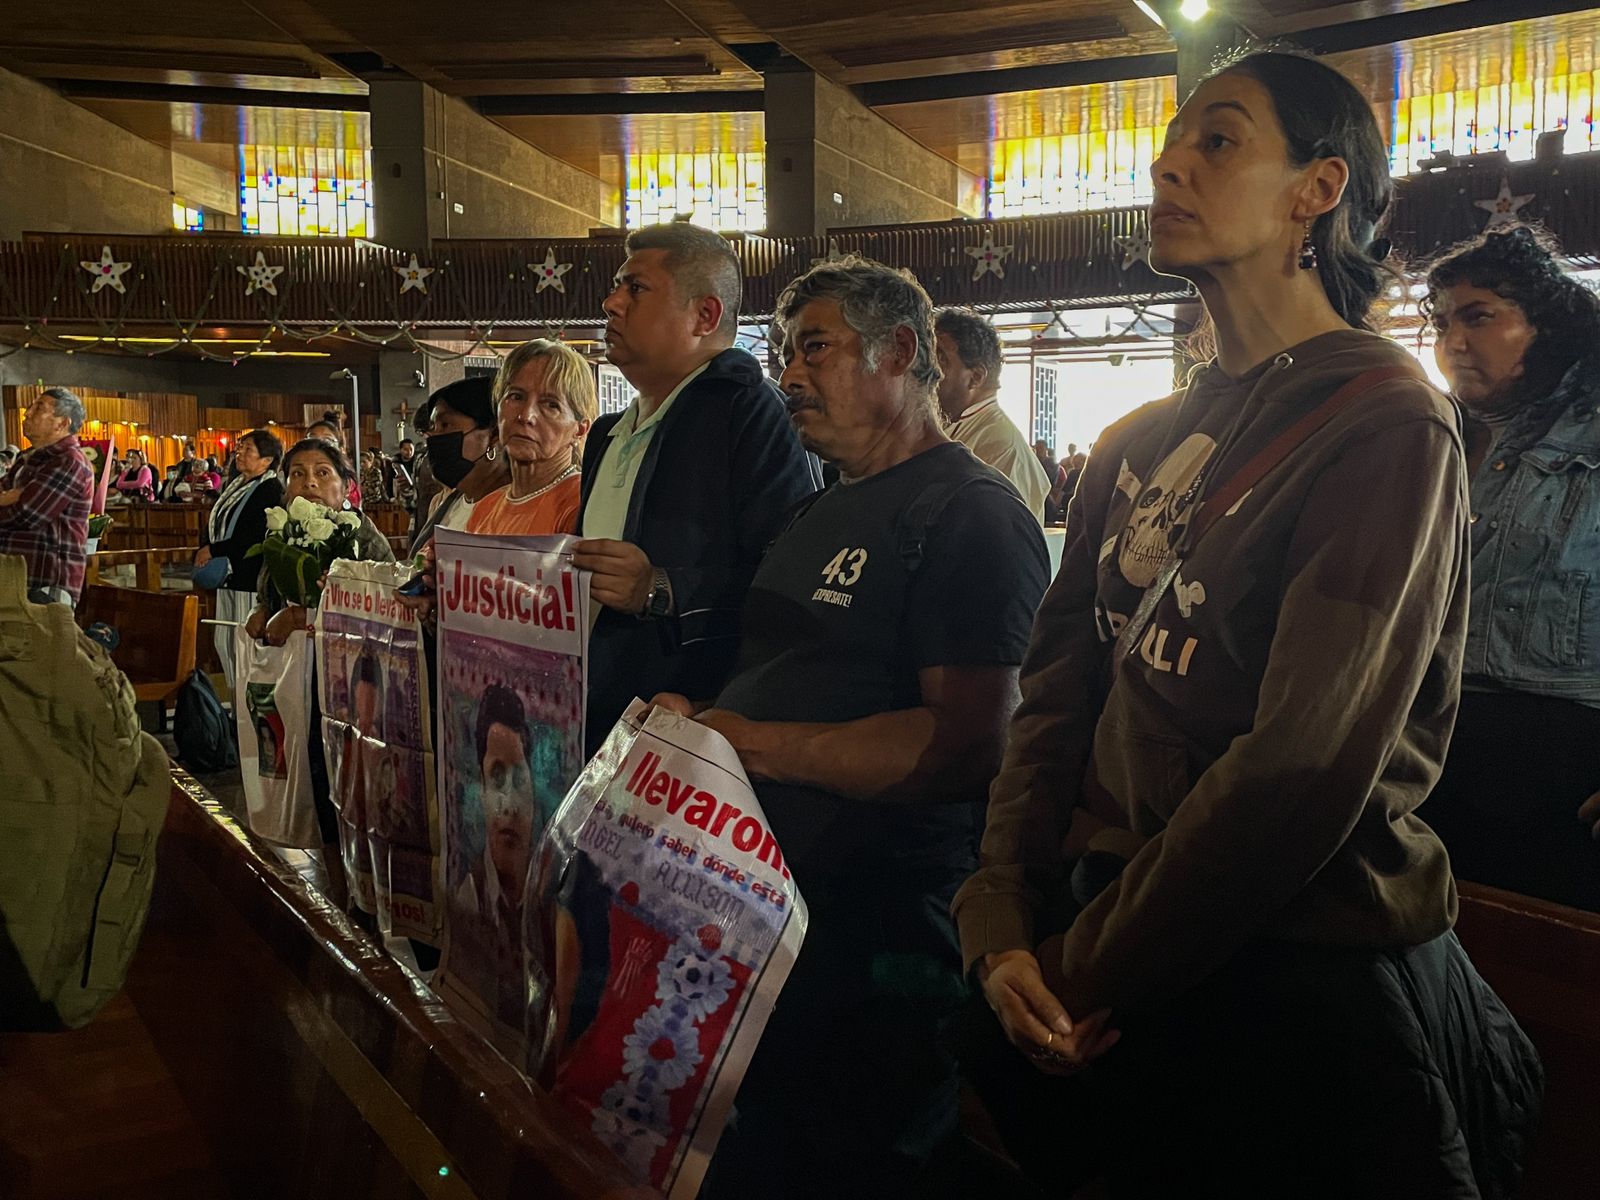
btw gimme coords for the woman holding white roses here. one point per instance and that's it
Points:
(316, 472)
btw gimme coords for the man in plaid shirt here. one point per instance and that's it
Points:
(44, 509)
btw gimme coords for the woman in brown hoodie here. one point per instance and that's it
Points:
(1207, 921)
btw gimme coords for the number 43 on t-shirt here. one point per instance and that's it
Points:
(845, 568)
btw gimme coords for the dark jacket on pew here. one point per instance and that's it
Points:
(717, 481)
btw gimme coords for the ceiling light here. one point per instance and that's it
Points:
(288, 354)
(1193, 10)
(161, 341)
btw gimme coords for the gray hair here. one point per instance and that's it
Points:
(700, 262)
(66, 404)
(874, 300)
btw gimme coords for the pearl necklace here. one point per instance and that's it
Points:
(556, 482)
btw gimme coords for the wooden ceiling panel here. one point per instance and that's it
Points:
(846, 42)
(1288, 16)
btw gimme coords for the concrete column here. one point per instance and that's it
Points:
(406, 377)
(834, 163)
(407, 209)
(439, 170)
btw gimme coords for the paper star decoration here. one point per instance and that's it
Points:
(413, 276)
(1135, 249)
(550, 272)
(106, 272)
(989, 258)
(1503, 208)
(260, 275)
(832, 256)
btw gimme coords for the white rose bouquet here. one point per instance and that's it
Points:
(301, 544)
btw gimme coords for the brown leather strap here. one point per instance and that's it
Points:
(1279, 448)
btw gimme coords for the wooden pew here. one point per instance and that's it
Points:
(1544, 960)
(147, 563)
(264, 1047)
(392, 520)
(158, 632)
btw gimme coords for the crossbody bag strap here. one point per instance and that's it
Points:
(1218, 504)
(1221, 502)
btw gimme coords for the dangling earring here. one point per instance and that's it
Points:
(494, 448)
(1308, 252)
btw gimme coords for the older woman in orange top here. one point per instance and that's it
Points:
(546, 397)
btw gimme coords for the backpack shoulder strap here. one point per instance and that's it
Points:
(923, 513)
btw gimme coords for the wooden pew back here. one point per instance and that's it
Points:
(158, 631)
(1544, 960)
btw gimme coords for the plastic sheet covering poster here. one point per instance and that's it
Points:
(99, 453)
(379, 747)
(513, 643)
(666, 925)
(272, 710)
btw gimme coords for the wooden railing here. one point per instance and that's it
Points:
(263, 1047)
(1064, 259)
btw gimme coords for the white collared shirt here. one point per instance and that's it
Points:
(606, 513)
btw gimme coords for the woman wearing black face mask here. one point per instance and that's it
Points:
(461, 438)
(460, 424)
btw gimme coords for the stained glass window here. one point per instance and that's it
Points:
(1101, 159)
(190, 219)
(306, 190)
(717, 190)
(1496, 116)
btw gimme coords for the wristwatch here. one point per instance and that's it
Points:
(659, 602)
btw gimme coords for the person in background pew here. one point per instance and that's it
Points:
(205, 479)
(1215, 936)
(372, 475)
(236, 522)
(135, 481)
(44, 509)
(176, 488)
(1518, 805)
(8, 459)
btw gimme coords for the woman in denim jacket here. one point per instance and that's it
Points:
(1518, 805)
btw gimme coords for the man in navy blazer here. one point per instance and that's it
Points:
(682, 492)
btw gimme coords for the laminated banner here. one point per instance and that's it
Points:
(99, 452)
(665, 926)
(272, 709)
(376, 734)
(513, 643)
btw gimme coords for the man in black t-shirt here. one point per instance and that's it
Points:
(882, 636)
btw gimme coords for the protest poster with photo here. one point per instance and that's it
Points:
(272, 711)
(665, 925)
(378, 746)
(513, 648)
(99, 452)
